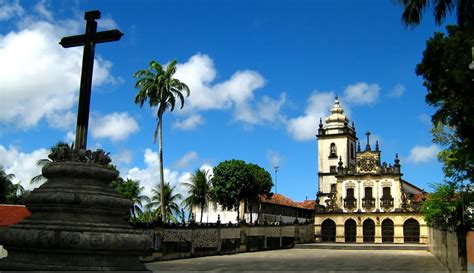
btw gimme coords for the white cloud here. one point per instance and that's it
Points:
(188, 123)
(149, 176)
(61, 120)
(40, 78)
(116, 126)
(9, 9)
(185, 160)
(267, 110)
(22, 165)
(70, 137)
(423, 154)
(397, 91)
(236, 94)
(125, 156)
(305, 127)
(361, 93)
(274, 158)
(43, 10)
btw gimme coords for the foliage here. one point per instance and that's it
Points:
(413, 11)
(449, 83)
(131, 189)
(10, 193)
(171, 199)
(199, 191)
(447, 206)
(235, 180)
(161, 89)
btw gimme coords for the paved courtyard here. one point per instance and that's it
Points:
(309, 260)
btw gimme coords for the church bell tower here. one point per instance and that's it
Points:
(336, 142)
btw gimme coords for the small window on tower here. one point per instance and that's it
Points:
(333, 187)
(332, 151)
(332, 169)
(352, 151)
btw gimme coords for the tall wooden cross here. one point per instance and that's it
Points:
(88, 40)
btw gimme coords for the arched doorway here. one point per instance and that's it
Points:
(328, 231)
(387, 231)
(350, 231)
(411, 231)
(369, 231)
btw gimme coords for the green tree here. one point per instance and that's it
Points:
(413, 11)
(235, 180)
(170, 201)
(132, 190)
(448, 80)
(199, 191)
(161, 89)
(5, 185)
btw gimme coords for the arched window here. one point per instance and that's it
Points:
(350, 231)
(332, 150)
(328, 231)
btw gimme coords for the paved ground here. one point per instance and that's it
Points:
(309, 260)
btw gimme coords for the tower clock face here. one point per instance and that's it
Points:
(367, 163)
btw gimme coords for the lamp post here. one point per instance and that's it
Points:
(276, 177)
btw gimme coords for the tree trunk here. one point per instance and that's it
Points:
(160, 154)
(202, 210)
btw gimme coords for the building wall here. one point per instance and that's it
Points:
(377, 185)
(449, 248)
(397, 218)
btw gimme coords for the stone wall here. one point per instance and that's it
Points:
(448, 247)
(197, 241)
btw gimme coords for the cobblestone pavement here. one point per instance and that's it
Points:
(309, 260)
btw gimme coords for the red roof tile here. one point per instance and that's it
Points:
(12, 214)
(280, 199)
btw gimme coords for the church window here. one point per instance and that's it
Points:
(386, 192)
(332, 169)
(352, 151)
(332, 150)
(350, 192)
(368, 192)
(333, 187)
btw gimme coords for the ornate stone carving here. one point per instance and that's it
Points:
(367, 163)
(350, 184)
(386, 183)
(368, 184)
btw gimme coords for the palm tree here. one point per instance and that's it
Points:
(413, 10)
(5, 185)
(170, 201)
(60, 145)
(161, 90)
(199, 192)
(132, 190)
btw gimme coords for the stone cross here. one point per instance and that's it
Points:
(367, 148)
(88, 40)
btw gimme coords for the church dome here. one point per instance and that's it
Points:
(337, 114)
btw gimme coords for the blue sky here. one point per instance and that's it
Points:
(261, 75)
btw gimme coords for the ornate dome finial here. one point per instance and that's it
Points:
(320, 123)
(377, 145)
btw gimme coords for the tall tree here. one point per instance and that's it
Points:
(5, 185)
(235, 181)
(448, 80)
(161, 89)
(132, 190)
(170, 202)
(199, 192)
(414, 9)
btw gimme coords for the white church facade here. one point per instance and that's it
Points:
(360, 199)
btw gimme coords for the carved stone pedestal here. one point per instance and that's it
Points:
(76, 224)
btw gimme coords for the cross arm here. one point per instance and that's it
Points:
(97, 38)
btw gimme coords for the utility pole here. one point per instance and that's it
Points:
(276, 177)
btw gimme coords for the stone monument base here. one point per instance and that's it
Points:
(77, 223)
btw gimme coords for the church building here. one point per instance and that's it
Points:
(360, 199)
